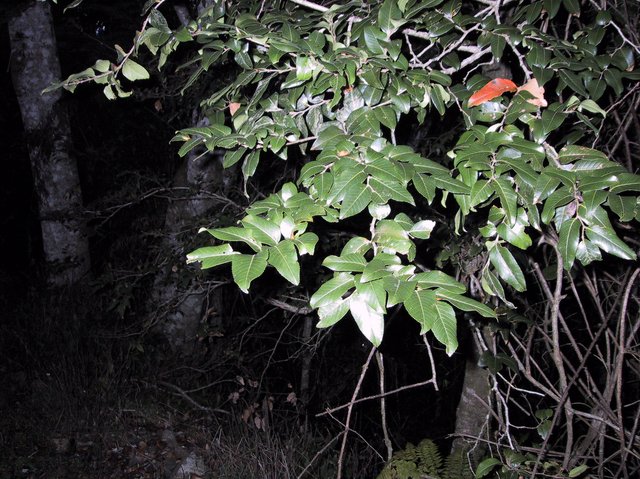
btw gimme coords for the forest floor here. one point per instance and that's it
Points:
(149, 434)
(152, 438)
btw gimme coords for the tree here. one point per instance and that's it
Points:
(35, 66)
(514, 98)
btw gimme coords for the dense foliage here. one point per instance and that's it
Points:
(514, 95)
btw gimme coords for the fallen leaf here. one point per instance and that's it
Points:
(536, 90)
(491, 90)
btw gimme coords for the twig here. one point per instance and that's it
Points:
(618, 373)
(318, 454)
(434, 377)
(303, 310)
(356, 391)
(311, 5)
(557, 356)
(180, 392)
(375, 396)
(383, 409)
(467, 61)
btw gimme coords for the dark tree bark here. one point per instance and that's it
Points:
(178, 306)
(472, 413)
(34, 66)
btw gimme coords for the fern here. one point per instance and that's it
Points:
(456, 466)
(414, 462)
(428, 457)
(400, 469)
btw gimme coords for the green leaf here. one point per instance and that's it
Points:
(438, 279)
(211, 256)
(262, 229)
(572, 153)
(516, 234)
(398, 290)
(626, 182)
(452, 185)
(592, 107)
(579, 470)
(331, 313)
(329, 135)
(356, 198)
(332, 290)
(389, 234)
(369, 320)
(491, 285)
(357, 244)
(247, 267)
(401, 102)
(444, 326)
(572, 6)
(284, 259)
(348, 181)
(507, 267)
(422, 229)
(108, 92)
(389, 17)
(304, 68)
(465, 303)
(480, 192)
(439, 97)
(420, 306)
(558, 198)
(306, 243)
(378, 267)
(568, 241)
(372, 41)
(572, 80)
(545, 185)
(348, 262)
(231, 157)
(134, 71)
(425, 185)
(623, 206)
(250, 164)
(508, 199)
(233, 233)
(588, 252)
(387, 116)
(607, 240)
(486, 466)
(552, 118)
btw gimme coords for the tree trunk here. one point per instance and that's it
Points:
(34, 66)
(473, 411)
(178, 305)
(201, 183)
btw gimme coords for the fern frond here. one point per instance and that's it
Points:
(428, 457)
(456, 466)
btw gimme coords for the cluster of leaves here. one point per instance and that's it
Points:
(516, 465)
(334, 82)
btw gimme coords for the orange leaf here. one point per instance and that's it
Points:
(491, 90)
(536, 90)
(233, 107)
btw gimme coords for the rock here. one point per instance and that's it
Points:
(193, 467)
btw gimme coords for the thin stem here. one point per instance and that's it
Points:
(347, 422)
(383, 408)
